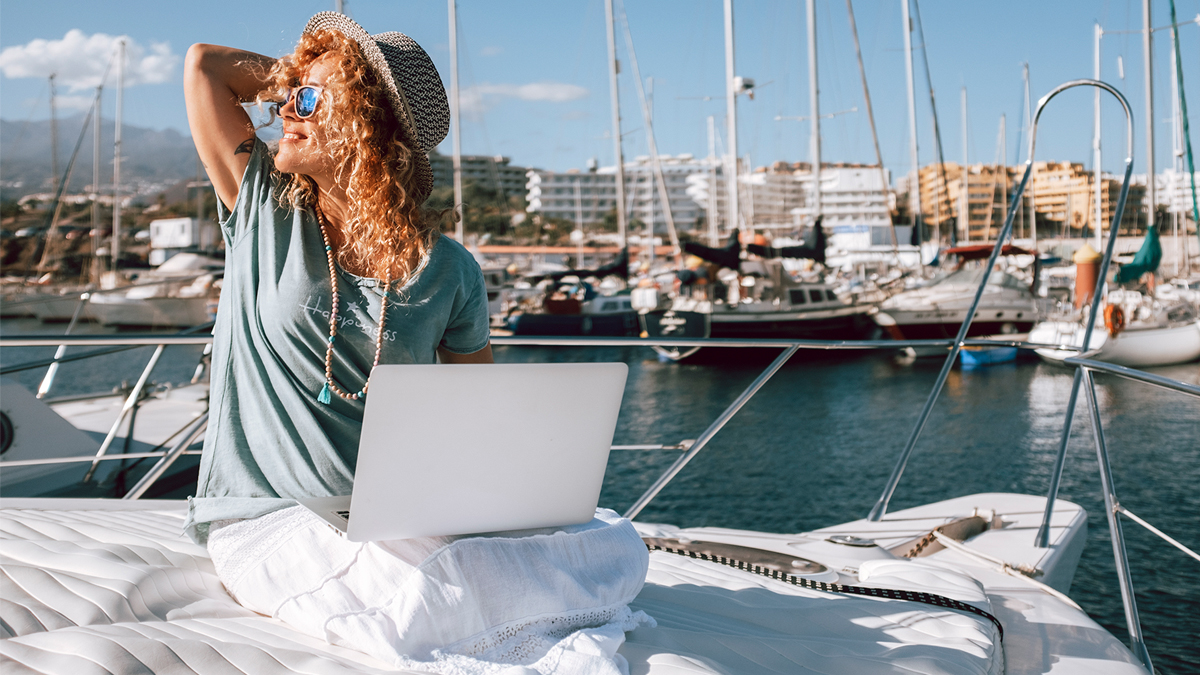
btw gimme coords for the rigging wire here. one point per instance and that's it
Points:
(652, 144)
(937, 133)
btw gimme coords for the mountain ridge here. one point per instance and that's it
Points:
(152, 159)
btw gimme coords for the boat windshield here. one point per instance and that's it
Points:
(969, 278)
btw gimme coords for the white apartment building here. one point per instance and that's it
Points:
(775, 197)
(591, 194)
(1174, 190)
(852, 195)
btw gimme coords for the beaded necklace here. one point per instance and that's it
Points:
(330, 385)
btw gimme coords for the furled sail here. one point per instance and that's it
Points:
(1147, 259)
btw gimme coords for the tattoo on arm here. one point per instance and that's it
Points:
(246, 147)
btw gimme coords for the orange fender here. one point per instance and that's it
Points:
(1114, 319)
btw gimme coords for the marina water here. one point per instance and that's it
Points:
(816, 445)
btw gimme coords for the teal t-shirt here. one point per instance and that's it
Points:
(269, 441)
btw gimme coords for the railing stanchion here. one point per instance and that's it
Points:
(711, 431)
(52, 371)
(1136, 642)
(1042, 540)
(190, 434)
(130, 402)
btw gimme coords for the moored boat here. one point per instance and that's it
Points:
(1138, 331)
(935, 311)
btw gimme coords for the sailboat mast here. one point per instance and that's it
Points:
(862, 73)
(815, 109)
(914, 187)
(457, 153)
(1003, 168)
(1176, 158)
(731, 119)
(657, 178)
(711, 214)
(53, 136)
(95, 272)
(1029, 130)
(964, 221)
(613, 68)
(1147, 58)
(577, 235)
(116, 229)
(1098, 181)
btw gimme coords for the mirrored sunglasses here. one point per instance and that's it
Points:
(307, 97)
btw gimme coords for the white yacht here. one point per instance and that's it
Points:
(1138, 331)
(182, 292)
(935, 311)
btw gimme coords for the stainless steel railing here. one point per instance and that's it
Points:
(1084, 369)
(881, 505)
(690, 448)
(135, 395)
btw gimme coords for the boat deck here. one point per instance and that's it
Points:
(113, 586)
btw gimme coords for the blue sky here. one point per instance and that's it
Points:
(535, 76)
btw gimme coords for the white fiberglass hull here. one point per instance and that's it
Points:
(1133, 347)
(155, 311)
(55, 308)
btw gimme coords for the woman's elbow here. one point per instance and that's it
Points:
(198, 58)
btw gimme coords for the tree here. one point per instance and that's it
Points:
(485, 210)
(10, 208)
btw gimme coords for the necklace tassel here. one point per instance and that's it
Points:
(324, 396)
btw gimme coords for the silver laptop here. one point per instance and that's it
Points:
(465, 449)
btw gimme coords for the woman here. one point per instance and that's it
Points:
(332, 268)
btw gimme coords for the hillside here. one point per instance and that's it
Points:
(152, 159)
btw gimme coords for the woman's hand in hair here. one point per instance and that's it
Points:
(216, 81)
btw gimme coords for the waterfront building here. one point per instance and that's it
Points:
(552, 194)
(1173, 191)
(852, 196)
(1062, 194)
(989, 191)
(771, 198)
(494, 173)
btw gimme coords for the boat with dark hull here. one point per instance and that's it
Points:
(759, 298)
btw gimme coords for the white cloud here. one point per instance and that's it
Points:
(492, 51)
(482, 96)
(79, 60)
(73, 102)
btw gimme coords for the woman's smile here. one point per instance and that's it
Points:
(292, 135)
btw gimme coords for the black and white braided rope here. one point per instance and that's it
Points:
(888, 593)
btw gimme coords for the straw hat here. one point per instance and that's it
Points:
(414, 88)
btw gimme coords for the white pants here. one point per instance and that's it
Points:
(550, 601)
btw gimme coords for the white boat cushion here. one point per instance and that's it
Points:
(124, 592)
(929, 576)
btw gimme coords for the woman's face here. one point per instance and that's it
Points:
(302, 149)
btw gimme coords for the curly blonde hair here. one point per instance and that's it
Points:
(386, 232)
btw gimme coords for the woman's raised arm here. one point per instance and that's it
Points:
(216, 80)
